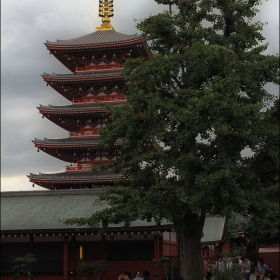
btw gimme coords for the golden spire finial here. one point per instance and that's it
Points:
(106, 11)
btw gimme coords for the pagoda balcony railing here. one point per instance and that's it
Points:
(97, 99)
(82, 167)
(86, 166)
(99, 68)
(85, 132)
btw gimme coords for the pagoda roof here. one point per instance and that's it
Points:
(98, 41)
(58, 81)
(74, 180)
(82, 77)
(69, 142)
(77, 109)
(66, 116)
(109, 37)
(58, 147)
(89, 176)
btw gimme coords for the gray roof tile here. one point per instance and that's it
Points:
(71, 142)
(68, 141)
(78, 108)
(79, 76)
(77, 175)
(96, 38)
(43, 210)
(213, 229)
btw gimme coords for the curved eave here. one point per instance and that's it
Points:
(71, 113)
(68, 120)
(152, 144)
(77, 80)
(156, 147)
(45, 145)
(71, 184)
(139, 46)
(82, 46)
(80, 78)
(55, 49)
(65, 153)
(70, 110)
(75, 180)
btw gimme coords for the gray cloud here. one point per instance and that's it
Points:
(26, 25)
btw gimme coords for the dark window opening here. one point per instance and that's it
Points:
(130, 252)
(49, 258)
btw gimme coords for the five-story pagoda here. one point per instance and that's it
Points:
(95, 61)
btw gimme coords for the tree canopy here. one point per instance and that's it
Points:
(192, 112)
(263, 212)
(90, 269)
(23, 266)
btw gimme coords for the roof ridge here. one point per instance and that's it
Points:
(51, 192)
(96, 38)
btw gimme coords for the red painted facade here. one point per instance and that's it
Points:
(271, 254)
(98, 250)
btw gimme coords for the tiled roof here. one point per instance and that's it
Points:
(213, 229)
(96, 175)
(71, 142)
(79, 108)
(68, 141)
(44, 210)
(96, 38)
(79, 76)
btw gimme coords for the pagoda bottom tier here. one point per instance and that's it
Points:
(70, 180)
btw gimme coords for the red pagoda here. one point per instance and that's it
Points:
(96, 61)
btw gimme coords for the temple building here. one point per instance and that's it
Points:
(32, 222)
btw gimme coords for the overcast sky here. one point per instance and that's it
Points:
(25, 26)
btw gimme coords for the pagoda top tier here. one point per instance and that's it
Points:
(90, 51)
(106, 38)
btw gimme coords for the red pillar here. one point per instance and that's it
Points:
(156, 247)
(65, 258)
(158, 254)
(206, 252)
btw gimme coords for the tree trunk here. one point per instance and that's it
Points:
(191, 260)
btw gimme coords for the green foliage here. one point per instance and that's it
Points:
(191, 113)
(89, 269)
(238, 250)
(23, 265)
(233, 224)
(156, 274)
(263, 213)
(229, 274)
(165, 262)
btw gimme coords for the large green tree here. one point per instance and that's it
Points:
(201, 101)
(263, 213)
